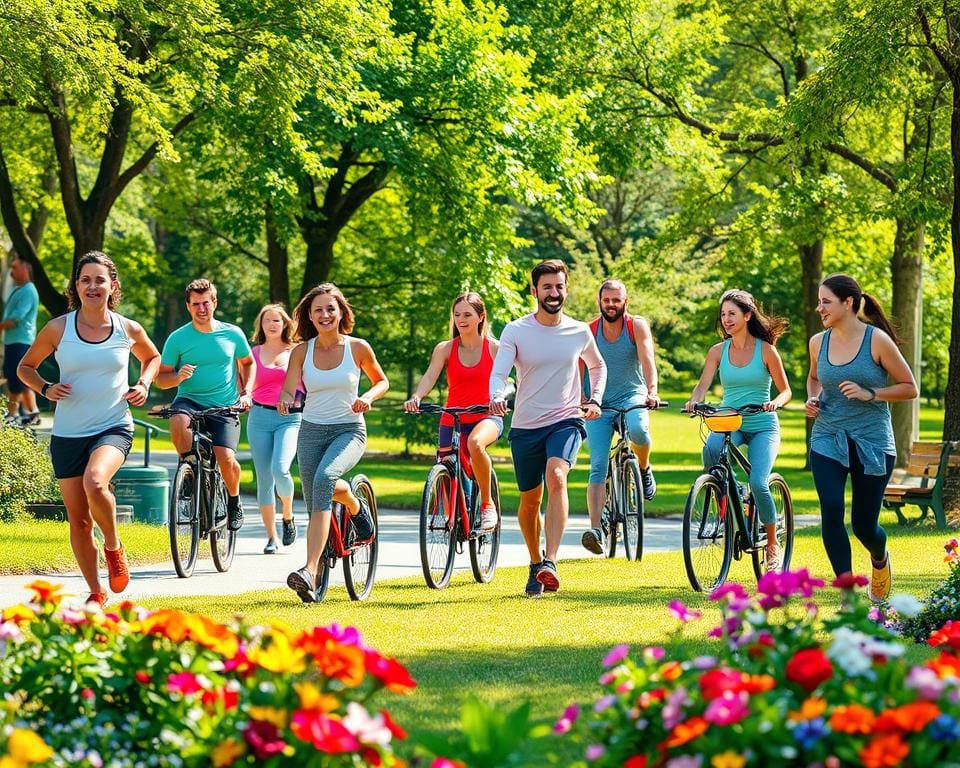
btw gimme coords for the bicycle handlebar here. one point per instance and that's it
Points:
(660, 404)
(705, 409)
(165, 412)
(434, 408)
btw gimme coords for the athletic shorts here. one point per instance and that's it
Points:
(531, 448)
(12, 355)
(225, 430)
(70, 455)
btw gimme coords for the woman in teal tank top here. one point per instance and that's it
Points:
(748, 362)
(851, 363)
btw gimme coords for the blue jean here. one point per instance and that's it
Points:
(273, 443)
(600, 433)
(762, 450)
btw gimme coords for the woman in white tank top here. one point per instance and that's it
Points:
(92, 426)
(332, 434)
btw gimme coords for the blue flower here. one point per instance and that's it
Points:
(944, 728)
(809, 732)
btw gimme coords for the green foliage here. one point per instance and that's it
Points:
(25, 471)
(943, 603)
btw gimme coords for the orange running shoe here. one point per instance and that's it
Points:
(117, 571)
(100, 598)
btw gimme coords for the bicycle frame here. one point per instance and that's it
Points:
(620, 454)
(338, 533)
(725, 472)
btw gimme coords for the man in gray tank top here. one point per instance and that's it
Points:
(626, 345)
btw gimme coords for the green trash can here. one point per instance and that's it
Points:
(146, 489)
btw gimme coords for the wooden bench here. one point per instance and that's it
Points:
(921, 483)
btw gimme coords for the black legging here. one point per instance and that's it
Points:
(830, 478)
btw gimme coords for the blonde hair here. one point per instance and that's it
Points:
(286, 335)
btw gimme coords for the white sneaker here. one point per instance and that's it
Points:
(773, 563)
(489, 518)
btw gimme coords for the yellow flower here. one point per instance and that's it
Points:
(811, 709)
(19, 614)
(278, 655)
(273, 715)
(226, 753)
(728, 760)
(26, 747)
(312, 697)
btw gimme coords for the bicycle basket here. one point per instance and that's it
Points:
(726, 422)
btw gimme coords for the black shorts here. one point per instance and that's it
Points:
(70, 455)
(12, 355)
(224, 430)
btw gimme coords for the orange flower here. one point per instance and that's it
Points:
(671, 670)
(852, 719)
(945, 665)
(811, 709)
(312, 698)
(334, 659)
(884, 751)
(909, 717)
(19, 614)
(758, 683)
(178, 626)
(686, 732)
(45, 592)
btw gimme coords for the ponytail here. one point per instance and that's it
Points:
(864, 305)
(872, 313)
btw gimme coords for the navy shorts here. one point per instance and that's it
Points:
(70, 455)
(445, 436)
(224, 430)
(532, 447)
(12, 355)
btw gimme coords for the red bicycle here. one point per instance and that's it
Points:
(447, 520)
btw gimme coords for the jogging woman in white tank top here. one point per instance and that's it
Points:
(333, 433)
(92, 426)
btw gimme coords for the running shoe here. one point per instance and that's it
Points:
(235, 516)
(31, 420)
(880, 581)
(773, 562)
(98, 598)
(592, 540)
(534, 587)
(271, 547)
(488, 518)
(649, 483)
(118, 575)
(304, 584)
(289, 532)
(363, 522)
(547, 575)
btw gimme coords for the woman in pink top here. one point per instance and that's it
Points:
(272, 436)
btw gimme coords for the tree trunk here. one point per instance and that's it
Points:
(906, 271)
(319, 241)
(951, 416)
(278, 259)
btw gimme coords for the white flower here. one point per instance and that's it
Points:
(368, 730)
(906, 605)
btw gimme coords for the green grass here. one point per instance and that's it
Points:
(676, 460)
(43, 546)
(490, 640)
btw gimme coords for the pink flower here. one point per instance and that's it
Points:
(184, 683)
(681, 612)
(672, 711)
(951, 546)
(617, 654)
(595, 752)
(925, 682)
(604, 702)
(729, 589)
(728, 708)
(567, 719)
(264, 739)
(654, 653)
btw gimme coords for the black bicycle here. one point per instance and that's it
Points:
(450, 515)
(198, 498)
(624, 505)
(720, 522)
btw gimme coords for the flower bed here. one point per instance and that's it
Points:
(132, 688)
(788, 687)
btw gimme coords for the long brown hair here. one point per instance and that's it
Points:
(305, 328)
(286, 335)
(93, 257)
(476, 302)
(769, 328)
(865, 306)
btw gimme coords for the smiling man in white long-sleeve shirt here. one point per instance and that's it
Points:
(546, 348)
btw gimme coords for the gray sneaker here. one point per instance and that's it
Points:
(271, 547)
(648, 482)
(592, 540)
(289, 532)
(304, 584)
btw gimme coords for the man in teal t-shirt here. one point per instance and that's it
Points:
(211, 365)
(19, 328)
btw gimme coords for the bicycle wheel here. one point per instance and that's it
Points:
(783, 507)
(485, 547)
(609, 517)
(223, 541)
(631, 502)
(183, 519)
(360, 565)
(707, 534)
(437, 523)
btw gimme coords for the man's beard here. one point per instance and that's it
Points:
(614, 316)
(552, 308)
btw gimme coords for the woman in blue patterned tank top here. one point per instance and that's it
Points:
(748, 362)
(855, 370)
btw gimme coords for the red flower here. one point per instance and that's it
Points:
(390, 672)
(142, 677)
(325, 733)
(808, 668)
(395, 730)
(264, 739)
(849, 581)
(637, 761)
(908, 717)
(948, 634)
(714, 682)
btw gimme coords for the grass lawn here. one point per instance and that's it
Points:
(490, 640)
(676, 456)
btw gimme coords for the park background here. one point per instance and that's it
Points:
(411, 150)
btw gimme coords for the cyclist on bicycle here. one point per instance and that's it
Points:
(626, 345)
(748, 360)
(333, 433)
(468, 358)
(209, 362)
(546, 347)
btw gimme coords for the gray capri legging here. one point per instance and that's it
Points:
(326, 452)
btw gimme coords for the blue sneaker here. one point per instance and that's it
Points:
(648, 482)
(547, 576)
(534, 587)
(363, 522)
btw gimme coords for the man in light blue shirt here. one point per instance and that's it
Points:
(19, 327)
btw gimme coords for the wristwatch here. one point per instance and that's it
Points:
(45, 387)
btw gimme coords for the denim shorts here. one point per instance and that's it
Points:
(224, 430)
(70, 455)
(531, 448)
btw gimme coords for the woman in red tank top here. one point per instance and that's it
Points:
(468, 357)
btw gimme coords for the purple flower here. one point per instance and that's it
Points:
(595, 752)
(685, 761)
(617, 654)
(704, 662)
(672, 712)
(567, 719)
(925, 682)
(604, 702)
(681, 612)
